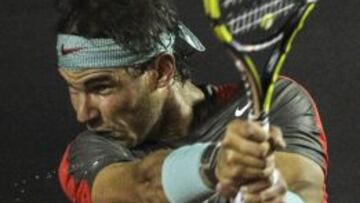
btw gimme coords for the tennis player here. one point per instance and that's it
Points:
(154, 135)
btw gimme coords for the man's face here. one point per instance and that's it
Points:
(112, 100)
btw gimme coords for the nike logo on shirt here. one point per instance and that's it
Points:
(240, 112)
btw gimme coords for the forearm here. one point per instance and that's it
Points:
(303, 176)
(309, 191)
(131, 182)
(160, 177)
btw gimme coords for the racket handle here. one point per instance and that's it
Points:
(265, 124)
(263, 119)
(238, 198)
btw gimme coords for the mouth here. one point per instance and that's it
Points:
(114, 132)
(118, 131)
(98, 129)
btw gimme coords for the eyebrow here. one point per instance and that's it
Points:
(92, 81)
(99, 79)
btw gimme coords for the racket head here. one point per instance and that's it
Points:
(247, 26)
(253, 25)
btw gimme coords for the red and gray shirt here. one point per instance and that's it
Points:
(292, 109)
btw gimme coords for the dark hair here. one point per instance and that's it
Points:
(137, 24)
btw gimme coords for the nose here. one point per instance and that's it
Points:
(86, 108)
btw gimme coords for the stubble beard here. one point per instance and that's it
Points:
(138, 125)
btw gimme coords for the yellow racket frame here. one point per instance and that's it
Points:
(222, 32)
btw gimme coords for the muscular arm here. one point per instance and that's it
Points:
(135, 181)
(303, 176)
(131, 182)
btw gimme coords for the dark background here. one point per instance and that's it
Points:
(36, 120)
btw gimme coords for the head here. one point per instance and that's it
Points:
(128, 99)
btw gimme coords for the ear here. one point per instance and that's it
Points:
(164, 66)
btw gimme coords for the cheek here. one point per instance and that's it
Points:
(109, 106)
(124, 101)
(74, 100)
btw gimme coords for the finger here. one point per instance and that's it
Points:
(250, 191)
(239, 175)
(236, 158)
(256, 186)
(243, 145)
(255, 198)
(251, 198)
(273, 192)
(276, 138)
(249, 130)
(270, 168)
(226, 190)
(276, 200)
(230, 170)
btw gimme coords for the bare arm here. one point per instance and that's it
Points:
(298, 174)
(302, 175)
(131, 182)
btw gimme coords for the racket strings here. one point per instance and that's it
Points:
(260, 16)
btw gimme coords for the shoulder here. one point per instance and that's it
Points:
(292, 101)
(287, 89)
(88, 153)
(89, 146)
(295, 111)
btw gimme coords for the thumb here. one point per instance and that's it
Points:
(276, 138)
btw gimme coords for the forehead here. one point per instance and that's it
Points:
(82, 76)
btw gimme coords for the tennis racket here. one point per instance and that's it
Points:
(247, 27)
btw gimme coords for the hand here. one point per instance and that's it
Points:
(244, 156)
(265, 190)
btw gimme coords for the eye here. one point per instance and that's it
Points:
(102, 89)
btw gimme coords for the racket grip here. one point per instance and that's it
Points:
(263, 119)
(265, 125)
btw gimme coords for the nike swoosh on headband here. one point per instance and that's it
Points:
(66, 51)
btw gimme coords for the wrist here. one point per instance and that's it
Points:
(181, 174)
